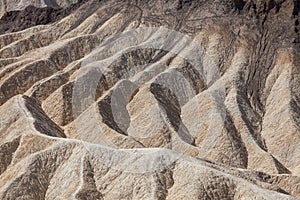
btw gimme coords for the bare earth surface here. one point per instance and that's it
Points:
(149, 99)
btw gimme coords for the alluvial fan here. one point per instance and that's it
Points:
(136, 99)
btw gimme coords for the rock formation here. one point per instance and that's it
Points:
(183, 99)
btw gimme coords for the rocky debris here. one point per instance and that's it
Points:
(150, 99)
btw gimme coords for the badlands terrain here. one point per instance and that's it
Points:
(162, 99)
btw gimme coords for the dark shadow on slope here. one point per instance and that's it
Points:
(42, 122)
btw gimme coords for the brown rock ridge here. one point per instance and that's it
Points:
(150, 99)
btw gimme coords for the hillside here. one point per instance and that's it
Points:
(183, 99)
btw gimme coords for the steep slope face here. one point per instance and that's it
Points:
(150, 99)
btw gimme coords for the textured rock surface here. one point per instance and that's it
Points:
(150, 99)
(12, 5)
